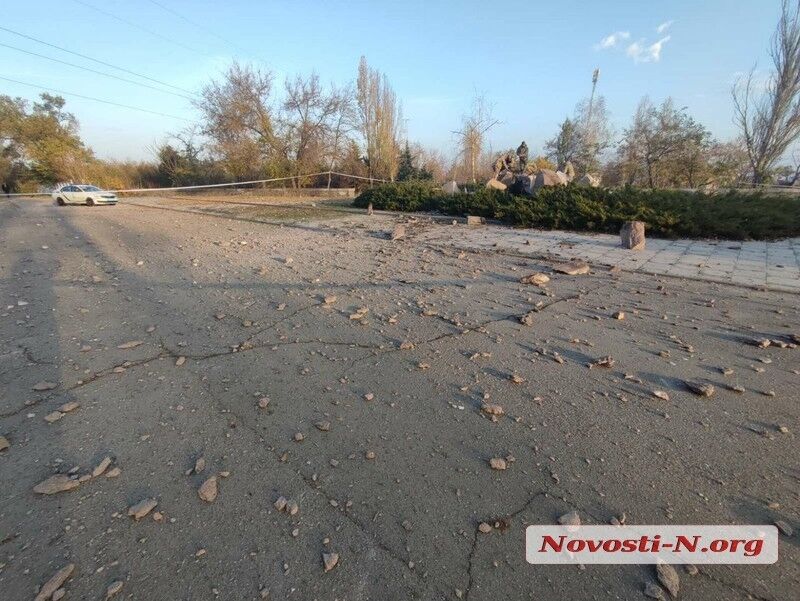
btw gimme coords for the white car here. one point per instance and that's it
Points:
(83, 194)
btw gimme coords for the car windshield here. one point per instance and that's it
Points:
(89, 188)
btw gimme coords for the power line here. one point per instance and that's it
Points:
(195, 24)
(95, 60)
(55, 60)
(125, 106)
(139, 27)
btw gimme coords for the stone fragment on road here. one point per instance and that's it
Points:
(113, 472)
(492, 409)
(498, 463)
(527, 319)
(570, 519)
(142, 508)
(42, 386)
(607, 362)
(208, 490)
(631, 235)
(701, 389)
(618, 315)
(56, 484)
(263, 402)
(55, 582)
(329, 299)
(180, 361)
(131, 344)
(4, 444)
(280, 503)
(329, 561)
(574, 267)
(661, 395)
(653, 591)
(784, 527)
(537, 279)
(323, 426)
(53, 416)
(199, 465)
(485, 528)
(668, 577)
(398, 232)
(114, 588)
(101, 467)
(69, 407)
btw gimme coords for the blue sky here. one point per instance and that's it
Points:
(532, 60)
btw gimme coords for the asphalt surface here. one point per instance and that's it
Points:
(216, 312)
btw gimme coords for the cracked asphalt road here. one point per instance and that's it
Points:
(243, 302)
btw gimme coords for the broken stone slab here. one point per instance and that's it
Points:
(101, 467)
(572, 518)
(55, 582)
(632, 235)
(494, 184)
(329, 561)
(700, 388)
(208, 490)
(398, 232)
(537, 279)
(56, 484)
(574, 267)
(42, 386)
(142, 508)
(669, 579)
(475, 220)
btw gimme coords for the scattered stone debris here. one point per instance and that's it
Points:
(263, 402)
(784, 527)
(53, 416)
(42, 386)
(180, 361)
(761, 342)
(101, 467)
(113, 472)
(208, 490)
(114, 588)
(69, 407)
(669, 579)
(280, 503)
(537, 279)
(55, 582)
(570, 519)
(485, 528)
(516, 379)
(492, 409)
(398, 232)
(700, 388)
(329, 561)
(142, 508)
(4, 444)
(199, 465)
(607, 362)
(618, 315)
(323, 426)
(652, 590)
(56, 484)
(370, 455)
(527, 319)
(498, 463)
(329, 299)
(574, 267)
(131, 344)
(661, 395)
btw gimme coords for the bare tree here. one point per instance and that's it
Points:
(379, 116)
(239, 120)
(473, 131)
(770, 120)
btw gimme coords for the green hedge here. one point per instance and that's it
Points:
(667, 213)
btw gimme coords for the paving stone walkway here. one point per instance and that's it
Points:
(771, 265)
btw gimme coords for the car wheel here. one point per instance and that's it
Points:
(60, 202)
(90, 202)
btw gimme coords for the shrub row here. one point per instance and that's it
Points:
(668, 213)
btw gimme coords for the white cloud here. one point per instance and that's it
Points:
(640, 52)
(664, 26)
(612, 40)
